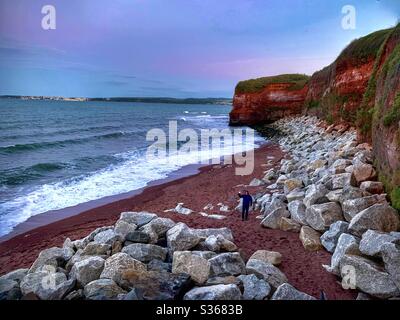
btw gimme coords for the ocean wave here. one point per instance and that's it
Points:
(133, 173)
(59, 143)
(56, 132)
(17, 176)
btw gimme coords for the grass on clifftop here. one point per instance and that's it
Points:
(366, 47)
(298, 82)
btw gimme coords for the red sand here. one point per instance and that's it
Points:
(214, 184)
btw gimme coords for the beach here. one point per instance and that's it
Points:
(212, 185)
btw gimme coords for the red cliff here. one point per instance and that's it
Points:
(361, 88)
(268, 99)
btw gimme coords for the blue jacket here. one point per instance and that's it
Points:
(247, 200)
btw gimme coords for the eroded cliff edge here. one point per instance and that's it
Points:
(360, 88)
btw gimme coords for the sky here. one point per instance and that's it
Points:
(172, 48)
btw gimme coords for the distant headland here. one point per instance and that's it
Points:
(223, 101)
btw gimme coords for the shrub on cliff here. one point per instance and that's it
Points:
(297, 81)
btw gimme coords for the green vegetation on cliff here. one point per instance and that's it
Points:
(298, 82)
(365, 48)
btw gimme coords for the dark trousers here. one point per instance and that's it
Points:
(245, 212)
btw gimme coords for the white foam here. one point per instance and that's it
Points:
(134, 173)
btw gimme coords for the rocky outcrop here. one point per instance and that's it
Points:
(268, 99)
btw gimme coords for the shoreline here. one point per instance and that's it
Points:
(53, 216)
(303, 269)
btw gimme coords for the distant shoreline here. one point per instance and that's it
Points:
(221, 101)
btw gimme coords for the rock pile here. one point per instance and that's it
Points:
(146, 257)
(327, 191)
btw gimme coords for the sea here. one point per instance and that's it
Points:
(59, 154)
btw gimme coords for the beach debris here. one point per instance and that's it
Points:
(223, 207)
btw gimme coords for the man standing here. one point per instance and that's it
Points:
(247, 201)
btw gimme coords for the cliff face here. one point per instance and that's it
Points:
(361, 88)
(273, 102)
(385, 109)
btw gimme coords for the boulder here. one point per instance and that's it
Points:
(347, 244)
(256, 183)
(225, 280)
(373, 187)
(369, 277)
(118, 264)
(47, 285)
(362, 172)
(87, 270)
(9, 290)
(353, 206)
(339, 166)
(391, 259)
(197, 267)
(372, 242)
(158, 265)
(339, 181)
(272, 220)
(330, 238)
(266, 271)
(16, 275)
(315, 194)
(204, 254)
(138, 236)
(291, 184)
(157, 285)
(145, 252)
(296, 194)
(74, 295)
(321, 216)
(297, 211)
(310, 239)
(289, 225)
(204, 233)
(96, 249)
(219, 243)
(335, 195)
(102, 289)
(107, 237)
(55, 257)
(217, 292)
(288, 292)
(254, 288)
(227, 264)
(137, 218)
(82, 243)
(182, 238)
(157, 228)
(272, 257)
(347, 193)
(379, 217)
(182, 210)
(122, 228)
(133, 295)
